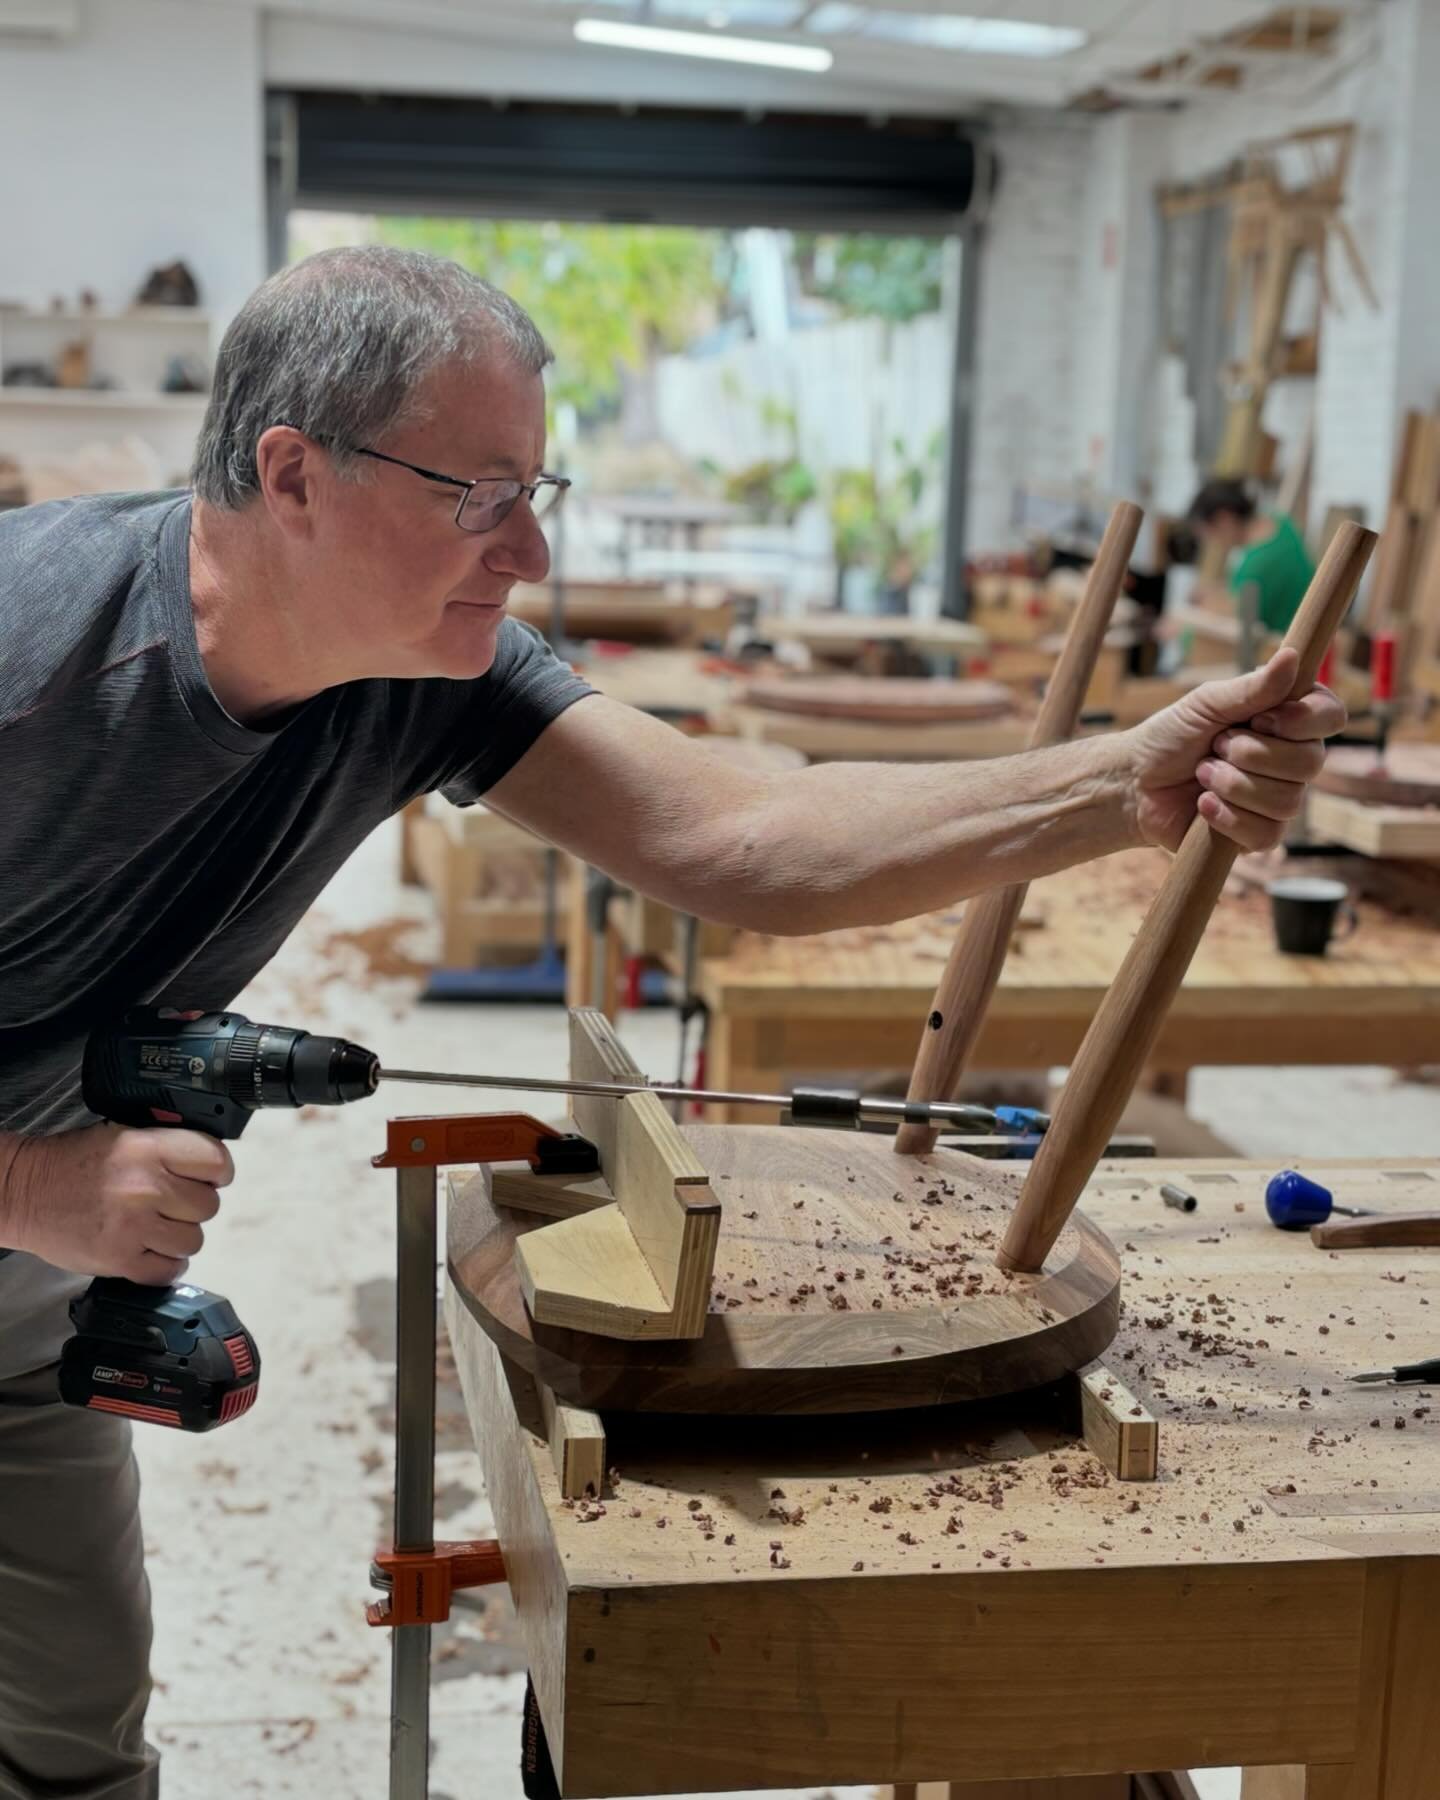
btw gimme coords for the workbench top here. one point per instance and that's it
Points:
(1091, 913)
(1073, 1623)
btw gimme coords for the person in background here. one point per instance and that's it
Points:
(1272, 555)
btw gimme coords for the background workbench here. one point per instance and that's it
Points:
(855, 1000)
(967, 1595)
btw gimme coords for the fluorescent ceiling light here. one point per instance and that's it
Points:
(946, 31)
(717, 46)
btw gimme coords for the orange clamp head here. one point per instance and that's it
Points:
(427, 1142)
(422, 1581)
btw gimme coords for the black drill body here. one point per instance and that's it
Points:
(179, 1355)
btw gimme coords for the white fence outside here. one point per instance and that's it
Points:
(853, 387)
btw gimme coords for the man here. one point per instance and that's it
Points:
(206, 703)
(1271, 558)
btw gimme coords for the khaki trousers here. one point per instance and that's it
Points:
(74, 1604)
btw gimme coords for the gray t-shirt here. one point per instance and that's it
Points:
(154, 850)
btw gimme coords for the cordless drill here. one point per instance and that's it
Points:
(180, 1355)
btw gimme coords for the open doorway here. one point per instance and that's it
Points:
(765, 406)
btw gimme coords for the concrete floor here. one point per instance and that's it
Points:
(259, 1537)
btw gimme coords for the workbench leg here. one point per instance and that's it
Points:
(614, 972)
(1287, 1783)
(1398, 1756)
(1328, 1781)
(578, 946)
(409, 873)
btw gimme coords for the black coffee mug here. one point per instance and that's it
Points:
(1304, 909)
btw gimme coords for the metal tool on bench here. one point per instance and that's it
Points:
(1296, 1203)
(1404, 1375)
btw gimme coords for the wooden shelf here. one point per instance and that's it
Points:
(103, 399)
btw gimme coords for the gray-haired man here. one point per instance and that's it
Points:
(206, 702)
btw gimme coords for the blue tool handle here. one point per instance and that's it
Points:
(1021, 1119)
(1294, 1202)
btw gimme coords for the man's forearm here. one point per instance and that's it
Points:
(845, 843)
(12, 1199)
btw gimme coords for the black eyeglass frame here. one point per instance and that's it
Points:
(528, 488)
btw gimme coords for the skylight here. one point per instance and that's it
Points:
(945, 31)
(762, 15)
(715, 46)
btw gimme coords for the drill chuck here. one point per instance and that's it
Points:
(211, 1071)
(277, 1065)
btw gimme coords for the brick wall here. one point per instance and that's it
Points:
(1070, 381)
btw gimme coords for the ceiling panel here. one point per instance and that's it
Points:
(1123, 38)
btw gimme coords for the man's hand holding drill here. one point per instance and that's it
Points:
(113, 1200)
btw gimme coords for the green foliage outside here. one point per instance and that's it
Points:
(606, 298)
(889, 528)
(873, 275)
(777, 487)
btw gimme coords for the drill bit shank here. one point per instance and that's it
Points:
(807, 1105)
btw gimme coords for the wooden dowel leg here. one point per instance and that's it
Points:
(1125, 1028)
(978, 954)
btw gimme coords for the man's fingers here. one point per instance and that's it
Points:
(1238, 699)
(1247, 830)
(1260, 794)
(1279, 757)
(155, 1270)
(192, 1201)
(174, 1238)
(1318, 714)
(196, 1157)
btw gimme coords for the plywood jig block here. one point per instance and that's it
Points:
(641, 1266)
(1118, 1430)
(577, 1443)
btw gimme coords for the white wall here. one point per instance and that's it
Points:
(1024, 404)
(134, 143)
(141, 140)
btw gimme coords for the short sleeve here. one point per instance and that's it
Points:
(463, 736)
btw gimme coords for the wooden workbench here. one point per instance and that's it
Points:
(630, 612)
(849, 637)
(968, 1596)
(854, 1000)
(682, 686)
(870, 740)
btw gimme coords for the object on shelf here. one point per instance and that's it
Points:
(185, 375)
(89, 300)
(28, 375)
(72, 370)
(171, 284)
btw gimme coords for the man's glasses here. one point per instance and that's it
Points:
(489, 500)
